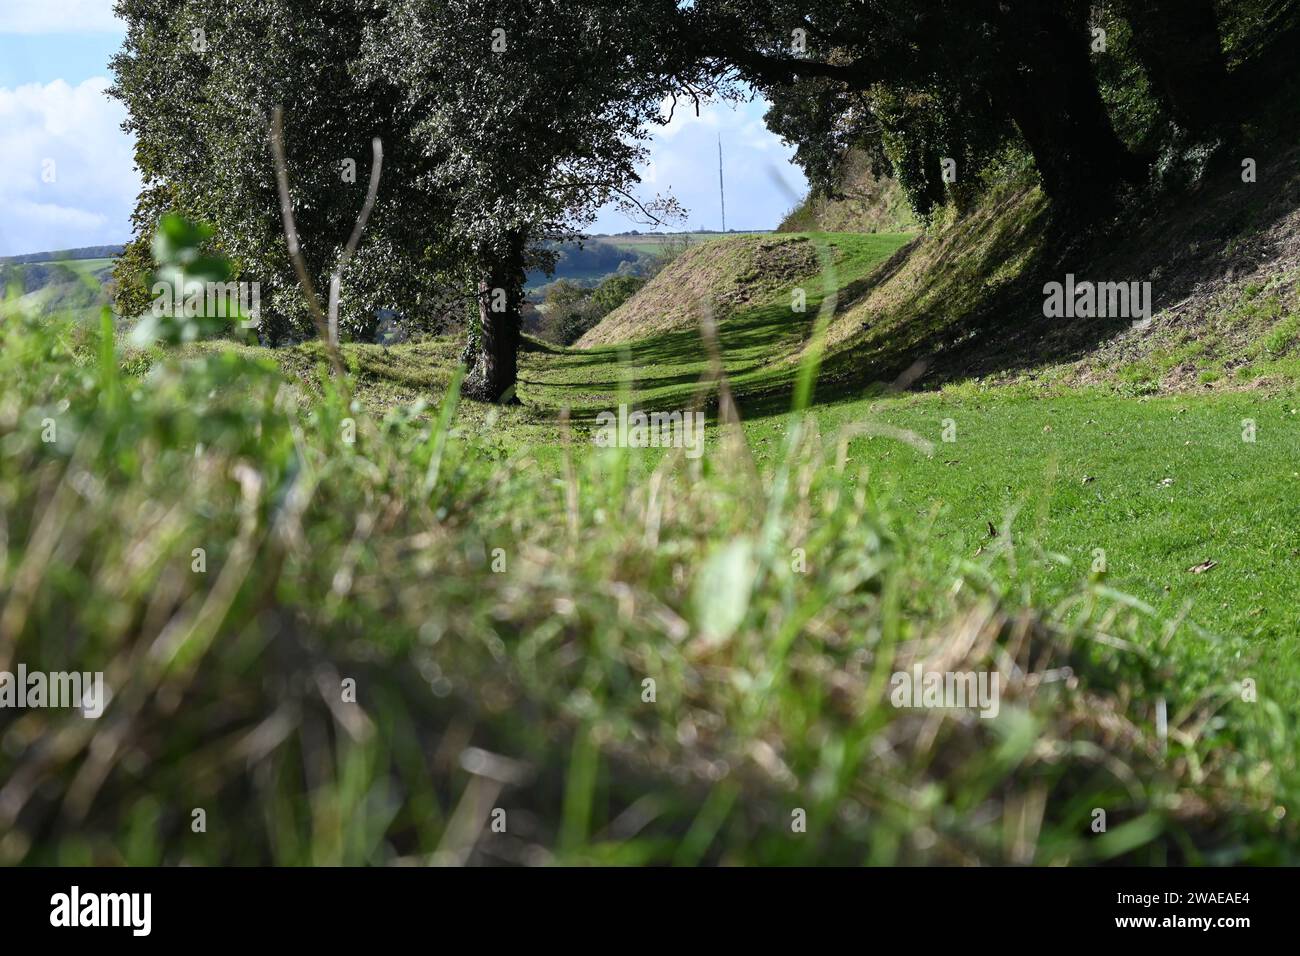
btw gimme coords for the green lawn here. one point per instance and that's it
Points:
(758, 343)
(1161, 485)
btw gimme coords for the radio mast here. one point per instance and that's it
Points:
(722, 194)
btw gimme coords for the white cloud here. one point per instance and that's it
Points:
(58, 16)
(63, 217)
(67, 176)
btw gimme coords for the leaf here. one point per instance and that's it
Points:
(1128, 836)
(175, 330)
(722, 590)
(177, 240)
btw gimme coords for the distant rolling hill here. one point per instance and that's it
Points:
(67, 281)
(633, 253)
(78, 279)
(64, 255)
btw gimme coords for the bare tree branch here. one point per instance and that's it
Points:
(291, 239)
(651, 218)
(377, 162)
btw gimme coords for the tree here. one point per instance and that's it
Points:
(913, 82)
(505, 125)
(570, 310)
(1051, 95)
(614, 290)
(200, 81)
(532, 115)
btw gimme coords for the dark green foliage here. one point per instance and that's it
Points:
(1095, 95)
(616, 290)
(572, 308)
(505, 125)
(531, 115)
(188, 281)
(200, 81)
(570, 311)
(133, 270)
(591, 259)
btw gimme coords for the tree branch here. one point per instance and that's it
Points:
(291, 239)
(376, 163)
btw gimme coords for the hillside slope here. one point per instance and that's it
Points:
(965, 300)
(726, 272)
(79, 286)
(863, 203)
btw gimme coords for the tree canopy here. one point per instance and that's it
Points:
(918, 82)
(200, 81)
(505, 126)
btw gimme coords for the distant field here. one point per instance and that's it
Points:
(654, 243)
(583, 266)
(601, 256)
(92, 268)
(82, 266)
(537, 279)
(74, 286)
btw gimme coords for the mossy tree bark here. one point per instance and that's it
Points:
(495, 370)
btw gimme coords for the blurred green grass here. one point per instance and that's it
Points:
(500, 618)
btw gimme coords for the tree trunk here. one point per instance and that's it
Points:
(1180, 49)
(1271, 67)
(500, 296)
(1051, 95)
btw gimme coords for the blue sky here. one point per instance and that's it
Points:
(70, 180)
